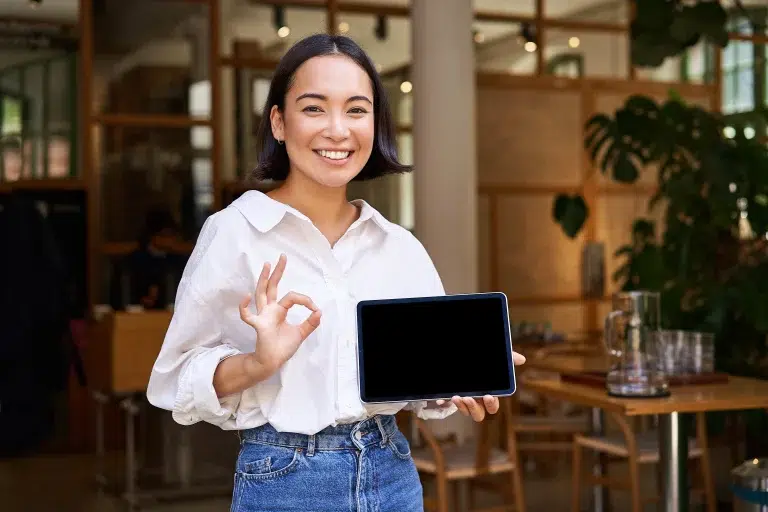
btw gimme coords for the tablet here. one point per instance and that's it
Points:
(428, 348)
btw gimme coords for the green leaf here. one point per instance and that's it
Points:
(624, 170)
(571, 213)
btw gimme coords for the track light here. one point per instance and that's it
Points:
(382, 28)
(278, 19)
(528, 33)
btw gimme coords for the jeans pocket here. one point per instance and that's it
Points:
(259, 461)
(399, 446)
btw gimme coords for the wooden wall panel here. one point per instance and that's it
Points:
(616, 213)
(535, 258)
(527, 136)
(484, 242)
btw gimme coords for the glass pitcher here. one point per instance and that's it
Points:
(630, 333)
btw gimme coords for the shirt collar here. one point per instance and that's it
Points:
(264, 213)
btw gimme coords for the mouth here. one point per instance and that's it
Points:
(334, 157)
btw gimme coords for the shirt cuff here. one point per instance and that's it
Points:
(196, 399)
(438, 413)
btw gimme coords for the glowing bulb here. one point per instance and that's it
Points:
(732, 187)
(283, 32)
(343, 27)
(406, 87)
(749, 132)
(729, 131)
(479, 37)
(530, 47)
(574, 42)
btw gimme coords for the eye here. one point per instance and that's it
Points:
(312, 108)
(358, 110)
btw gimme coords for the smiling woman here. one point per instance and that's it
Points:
(291, 387)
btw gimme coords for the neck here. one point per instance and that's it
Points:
(327, 208)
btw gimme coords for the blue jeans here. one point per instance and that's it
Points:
(360, 467)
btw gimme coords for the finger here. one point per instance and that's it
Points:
(309, 325)
(461, 406)
(274, 279)
(291, 299)
(518, 358)
(491, 404)
(245, 316)
(261, 288)
(475, 410)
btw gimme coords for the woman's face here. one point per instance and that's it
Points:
(328, 123)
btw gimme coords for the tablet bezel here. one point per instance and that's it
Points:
(442, 298)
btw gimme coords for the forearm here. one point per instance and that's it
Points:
(237, 373)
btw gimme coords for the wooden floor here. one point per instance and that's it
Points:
(65, 484)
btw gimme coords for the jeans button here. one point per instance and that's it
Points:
(358, 435)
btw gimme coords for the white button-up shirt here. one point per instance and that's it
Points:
(318, 386)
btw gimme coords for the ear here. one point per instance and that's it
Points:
(276, 120)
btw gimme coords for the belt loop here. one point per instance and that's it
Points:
(311, 446)
(384, 436)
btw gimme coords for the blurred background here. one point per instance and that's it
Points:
(564, 150)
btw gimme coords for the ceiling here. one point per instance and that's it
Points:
(125, 25)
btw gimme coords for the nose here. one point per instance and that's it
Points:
(337, 129)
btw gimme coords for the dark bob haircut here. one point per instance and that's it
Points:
(273, 158)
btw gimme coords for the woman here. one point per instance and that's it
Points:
(308, 443)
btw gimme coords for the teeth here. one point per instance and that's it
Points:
(334, 155)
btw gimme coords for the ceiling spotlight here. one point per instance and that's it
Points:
(278, 20)
(343, 27)
(749, 132)
(406, 87)
(530, 46)
(729, 132)
(574, 42)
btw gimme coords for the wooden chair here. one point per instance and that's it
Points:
(638, 449)
(450, 463)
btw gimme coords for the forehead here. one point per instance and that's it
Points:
(331, 75)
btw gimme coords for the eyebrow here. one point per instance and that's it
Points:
(325, 98)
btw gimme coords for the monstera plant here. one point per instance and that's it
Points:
(710, 260)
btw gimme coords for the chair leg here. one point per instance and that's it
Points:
(576, 478)
(634, 484)
(443, 503)
(517, 486)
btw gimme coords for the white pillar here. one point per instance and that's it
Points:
(445, 168)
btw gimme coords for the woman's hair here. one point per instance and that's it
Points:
(273, 161)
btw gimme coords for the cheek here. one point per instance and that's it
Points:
(365, 134)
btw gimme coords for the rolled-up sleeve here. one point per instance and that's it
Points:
(426, 411)
(181, 380)
(182, 377)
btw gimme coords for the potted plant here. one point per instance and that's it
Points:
(709, 260)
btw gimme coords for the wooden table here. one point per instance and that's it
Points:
(737, 394)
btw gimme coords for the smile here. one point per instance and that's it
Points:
(335, 156)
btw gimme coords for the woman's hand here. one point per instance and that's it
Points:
(277, 340)
(476, 408)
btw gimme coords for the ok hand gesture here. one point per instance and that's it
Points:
(277, 340)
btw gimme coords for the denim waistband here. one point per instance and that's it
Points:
(377, 429)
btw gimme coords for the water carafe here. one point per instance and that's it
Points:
(630, 332)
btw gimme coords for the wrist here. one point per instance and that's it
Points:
(256, 370)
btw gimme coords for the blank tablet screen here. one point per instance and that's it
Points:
(434, 347)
